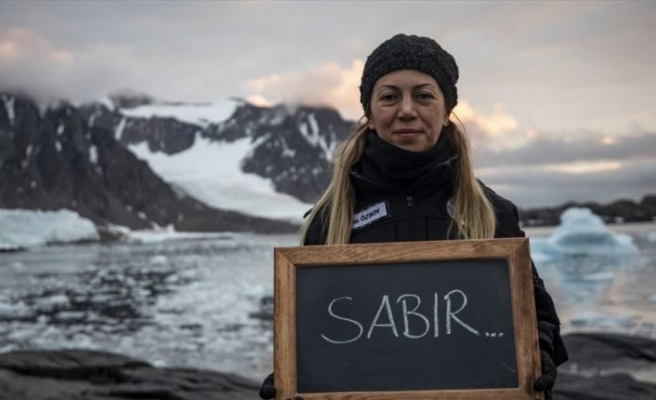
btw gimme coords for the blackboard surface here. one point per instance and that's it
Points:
(411, 326)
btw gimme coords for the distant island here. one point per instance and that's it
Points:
(619, 211)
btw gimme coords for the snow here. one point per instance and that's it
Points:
(210, 172)
(166, 234)
(22, 228)
(28, 153)
(107, 102)
(119, 129)
(93, 154)
(9, 106)
(312, 135)
(196, 114)
(583, 233)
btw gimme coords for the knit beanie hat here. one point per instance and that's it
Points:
(411, 52)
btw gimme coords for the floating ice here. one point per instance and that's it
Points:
(15, 310)
(22, 228)
(603, 321)
(158, 260)
(651, 236)
(582, 232)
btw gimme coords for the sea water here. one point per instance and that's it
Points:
(205, 302)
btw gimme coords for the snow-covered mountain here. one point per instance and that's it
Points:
(288, 147)
(142, 164)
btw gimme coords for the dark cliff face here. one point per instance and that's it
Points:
(55, 159)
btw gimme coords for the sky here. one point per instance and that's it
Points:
(558, 98)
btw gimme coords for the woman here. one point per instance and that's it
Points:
(407, 168)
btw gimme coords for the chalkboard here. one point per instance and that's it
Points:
(442, 319)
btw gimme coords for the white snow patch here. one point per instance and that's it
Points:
(92, 119)
(168, 233)
(60, 129)
(210, 172)
(33, 228)
(311, 134)
(119, 129)
(9, 107)
(196, 114)
(58, 146)
(93, 154)
(28, 153)
(107, 102)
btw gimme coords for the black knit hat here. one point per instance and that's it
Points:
(411, 52)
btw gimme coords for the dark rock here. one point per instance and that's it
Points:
(601, 367)
(130, 99)
(606, 387)
(266, 312)
(94, 375)
(616, 212)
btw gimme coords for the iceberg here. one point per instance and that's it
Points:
(583, 233)
(23, 228)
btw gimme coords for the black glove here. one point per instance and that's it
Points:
(548, 378)
(268, 391)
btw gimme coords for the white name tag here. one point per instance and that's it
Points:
(369, 215)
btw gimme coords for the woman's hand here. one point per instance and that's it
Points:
(268, 391)
(549, 372)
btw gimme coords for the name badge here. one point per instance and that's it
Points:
(370, 214)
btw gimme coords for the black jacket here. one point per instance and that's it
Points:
(385, 213)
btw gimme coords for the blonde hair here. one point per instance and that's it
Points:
(473, 216)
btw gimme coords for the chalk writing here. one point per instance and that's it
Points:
(415, 324)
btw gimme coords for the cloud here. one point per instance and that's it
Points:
(584, 147)
(327, 85)
(495, 125)
(554, 168)
(19, 44)
(494, 131)
(536, 186)
(31, 63)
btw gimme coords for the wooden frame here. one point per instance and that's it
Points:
(514, 250)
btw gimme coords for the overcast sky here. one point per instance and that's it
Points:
(559, 98)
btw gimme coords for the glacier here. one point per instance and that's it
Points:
(210, 172)
(24, 228)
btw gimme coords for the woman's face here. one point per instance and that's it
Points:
(407, 110)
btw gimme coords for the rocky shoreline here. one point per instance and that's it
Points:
(602, 367)
(619, 211)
